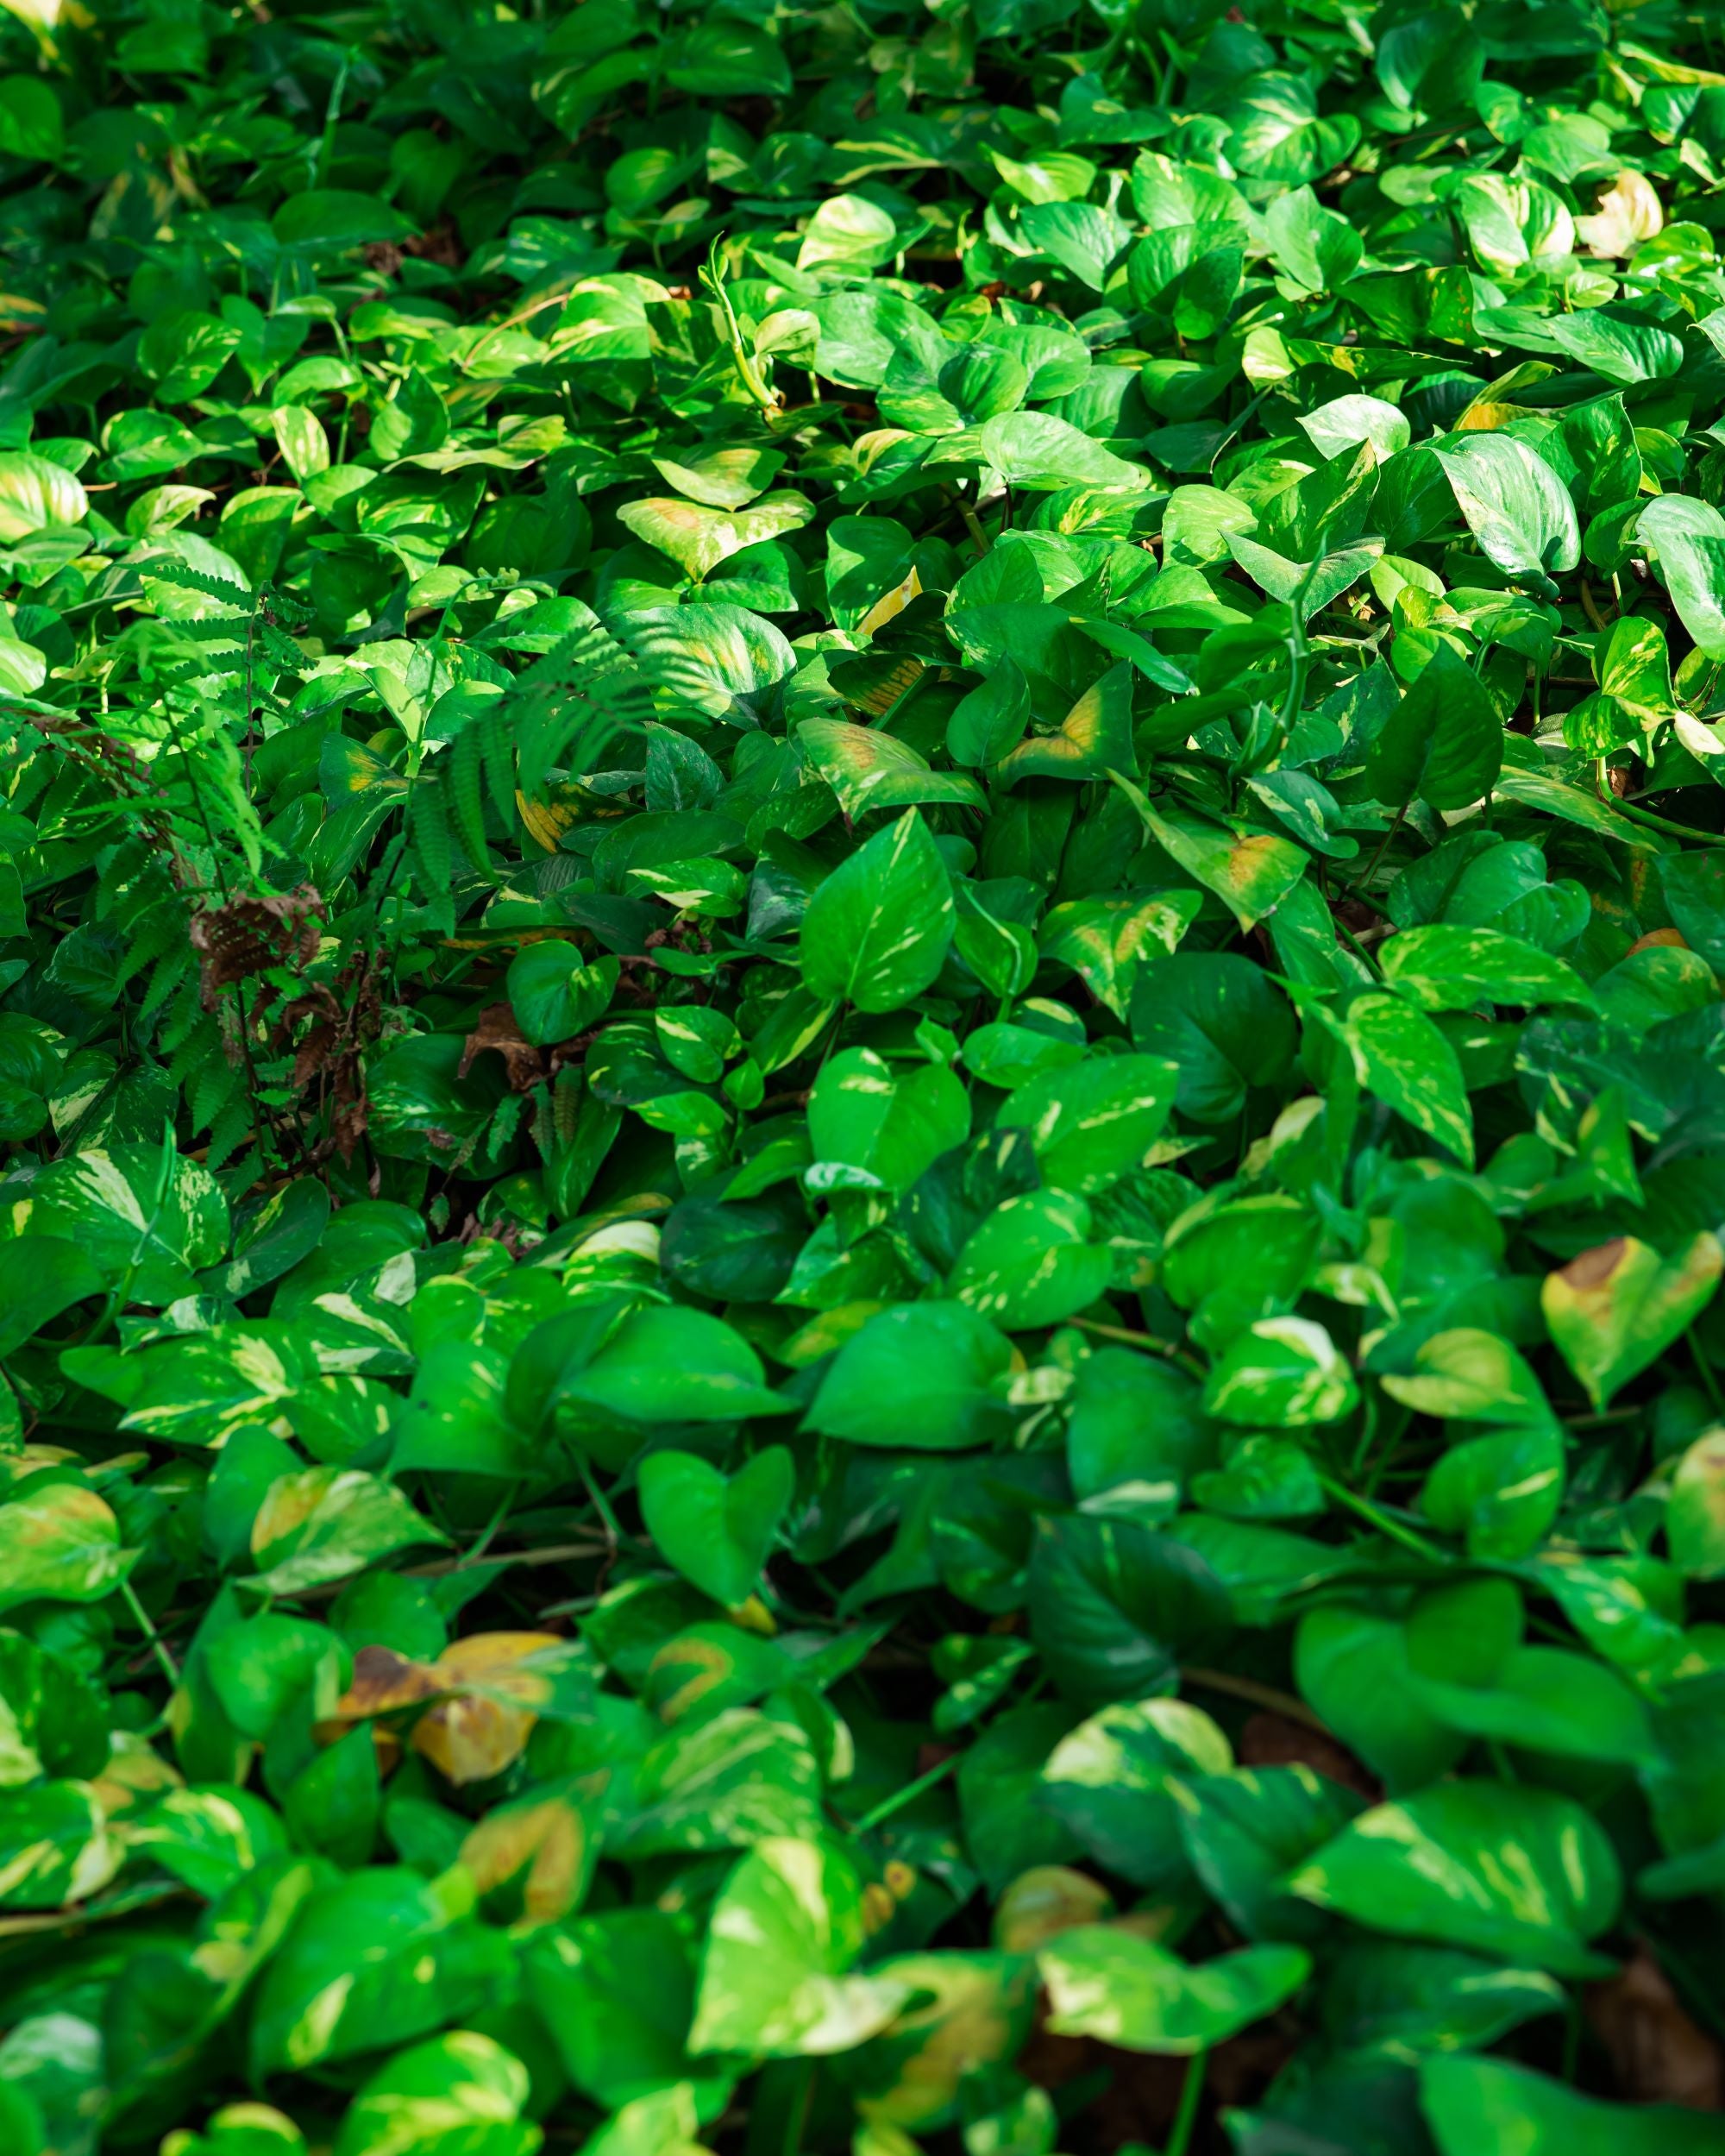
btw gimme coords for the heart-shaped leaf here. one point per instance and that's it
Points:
(717, 1530)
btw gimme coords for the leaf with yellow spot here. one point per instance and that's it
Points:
(548, 816)
(327, 1522)
(134, 1775)
(349, 770)
(970, 2012)
(890, 604)
(1046, 1901)
(707, 1667)
(1252, 872)
(697, 539)
(879, 696)
(60, 1543)
(1095, 738)
(868, 769)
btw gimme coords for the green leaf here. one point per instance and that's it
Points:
(379, 1949)
(989, 722)
(1515, 504)
(327, 1522)
(667, 1364)
(1246, 1829)
(717, 1530)
(1686, 538)
(1402, 1058)
(36, 495)
(1515, 1872)
(330, 220)
(1283, 1372)
(1031, 1262)
(1106, 940)
(148, 1220)
(1035, 449)
(40, 1278)
(872, 1129)
(920, 1374)
(1113, 1606)
(1468, 1374)
(1443, 742)
(55, 1846)
(876, 931)
(1353, 1671)
(1222, 1025)
(1131, 1992)
(1477, 2104)
(616, 1991)
(1547, 1700)
(1115, 1780)
(459, 2095)
(785, 1930)
(1094, 1124)
(1447, 966)
(554, 995)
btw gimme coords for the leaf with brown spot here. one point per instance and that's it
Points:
(1250, 872)
(496, 1686)
(1617, 1307)
(385, 1682)
(531, 1861)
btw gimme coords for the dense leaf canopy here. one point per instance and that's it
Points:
(862, 1078)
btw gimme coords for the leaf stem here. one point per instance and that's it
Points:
(1148, 1341)
(908, 1794)
(1191, 2094)
(1383, 1522)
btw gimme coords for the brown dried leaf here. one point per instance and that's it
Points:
(1272, 1740)
(247, 934)
(497, 1029)
(1660, 2054)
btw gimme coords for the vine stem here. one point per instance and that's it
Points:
(1265, 1696)
(1127, 1338)
(145, 1625)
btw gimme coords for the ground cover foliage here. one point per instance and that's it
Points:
(863, 1079)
